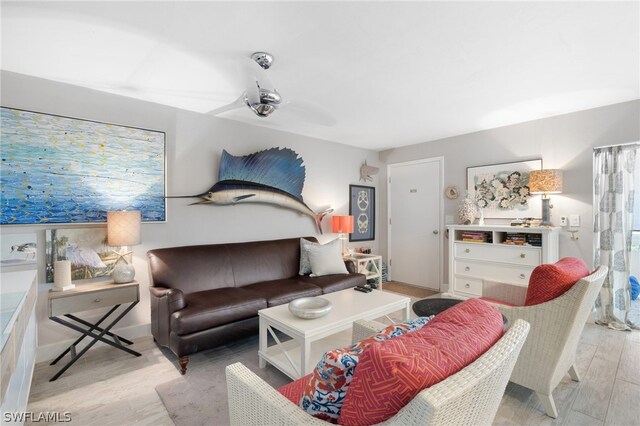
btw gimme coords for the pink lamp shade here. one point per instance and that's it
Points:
(123, 228)
(342, 224)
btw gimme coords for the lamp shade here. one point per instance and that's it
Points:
(342, 224)
(123, 228)
(547, 181)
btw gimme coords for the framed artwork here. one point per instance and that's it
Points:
(362, 206)
(18, 249)
(86, 248)
(502, 190)
(67, 170)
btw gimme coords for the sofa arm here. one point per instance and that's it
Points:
(252, 401)
(172, 297)
(351, 266)
(164, 302)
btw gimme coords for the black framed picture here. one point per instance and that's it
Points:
(362, 206)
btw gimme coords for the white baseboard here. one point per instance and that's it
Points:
(51, 351)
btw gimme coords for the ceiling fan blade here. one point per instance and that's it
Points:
(238, 103)
(254, 78)
(309, 111)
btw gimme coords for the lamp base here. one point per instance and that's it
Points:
(123, 273)
(546, 212)
(345, 248)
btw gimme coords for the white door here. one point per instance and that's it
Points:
(414, 201)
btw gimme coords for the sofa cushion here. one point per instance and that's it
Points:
(331, 283)
(279, 292)
(391, 373)
(326, 388)
(549, 281)
(292, 391)
(191, 268)
(211, 308)
(258, 261)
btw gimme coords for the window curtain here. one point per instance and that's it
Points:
(613, 170)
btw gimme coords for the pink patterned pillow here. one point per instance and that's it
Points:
(326, 388)
(392, 372)
(549, 281)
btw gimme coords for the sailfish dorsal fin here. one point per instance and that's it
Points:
(275, 167)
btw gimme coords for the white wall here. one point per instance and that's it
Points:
(563, 142)
(194, 143)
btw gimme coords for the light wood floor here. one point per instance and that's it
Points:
(110, 387)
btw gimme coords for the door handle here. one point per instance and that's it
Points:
(435, 232)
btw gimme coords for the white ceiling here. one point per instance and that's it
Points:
(377, 74)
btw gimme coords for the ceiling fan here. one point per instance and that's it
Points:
(263, 99)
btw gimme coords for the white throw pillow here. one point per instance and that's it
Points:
(326, 259)
(305, 264)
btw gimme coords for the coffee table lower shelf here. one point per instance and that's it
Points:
(275, 354)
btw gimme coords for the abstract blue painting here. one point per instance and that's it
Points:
(64, 170)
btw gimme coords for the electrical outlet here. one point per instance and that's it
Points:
(563, 221)
(574, 219)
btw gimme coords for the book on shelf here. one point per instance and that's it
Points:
(476, 237)
(521, 239)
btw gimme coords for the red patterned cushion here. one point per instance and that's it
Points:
(549, 281)
(391, 373)
(293, 390)
(329, 382)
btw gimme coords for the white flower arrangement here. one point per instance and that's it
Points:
(504, 190)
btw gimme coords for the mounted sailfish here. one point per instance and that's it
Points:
(274, 176)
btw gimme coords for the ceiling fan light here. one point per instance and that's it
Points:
(262, 110)
(271, 97)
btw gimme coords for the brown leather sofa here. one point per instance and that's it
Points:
(204, 296)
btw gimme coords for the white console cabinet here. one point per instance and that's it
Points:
(505, 254)
(18, 294)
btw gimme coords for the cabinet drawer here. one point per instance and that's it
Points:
(467, 285)
(511, 274)
(78, 302)
(518, 255)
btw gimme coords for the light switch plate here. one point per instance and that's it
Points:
(574, 219)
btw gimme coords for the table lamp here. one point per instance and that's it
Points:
(342, 225)
(546, 181)
(123, 230)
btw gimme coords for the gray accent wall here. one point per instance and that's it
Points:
(563, 142)
(194, 143)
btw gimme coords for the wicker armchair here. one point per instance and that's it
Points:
(550, 350)
(471, 396)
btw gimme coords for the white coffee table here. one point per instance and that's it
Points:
(298, 356)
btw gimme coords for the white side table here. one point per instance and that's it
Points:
(368, 264)
(85, 297)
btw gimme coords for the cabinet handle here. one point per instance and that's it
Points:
(467, 285)
(97, 300)
(522, 255)
(522, 276)
(467, 251)
(466, 268)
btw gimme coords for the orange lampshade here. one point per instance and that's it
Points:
(342, 224)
